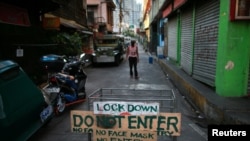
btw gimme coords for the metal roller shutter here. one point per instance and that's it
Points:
(206, 41)
(186, 41)
(172, 38)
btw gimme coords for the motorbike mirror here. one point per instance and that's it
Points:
(82, 55)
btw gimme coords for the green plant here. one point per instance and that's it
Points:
(72, 43)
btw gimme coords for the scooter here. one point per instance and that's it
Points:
(67, 87)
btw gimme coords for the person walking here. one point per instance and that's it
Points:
(132, 56)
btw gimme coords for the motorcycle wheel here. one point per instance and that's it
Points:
(61, 104)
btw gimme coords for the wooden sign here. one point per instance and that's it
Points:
(126, 126)
(51, 23)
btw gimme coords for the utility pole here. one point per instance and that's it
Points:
(120, 16)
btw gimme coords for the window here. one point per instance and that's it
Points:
(240, 10)
(91, 18)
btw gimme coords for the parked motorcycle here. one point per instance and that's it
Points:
(65, 87)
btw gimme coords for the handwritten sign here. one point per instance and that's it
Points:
(125, 108)
(121, 135)
(130, 126)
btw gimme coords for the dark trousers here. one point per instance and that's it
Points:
(133, 64)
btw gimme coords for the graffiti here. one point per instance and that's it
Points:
(206, 54)
(207, 33)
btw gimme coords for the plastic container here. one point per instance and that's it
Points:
(53, 63)
(150, 60)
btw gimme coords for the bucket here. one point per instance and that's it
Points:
(150, 60)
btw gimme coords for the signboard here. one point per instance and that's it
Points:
(14, 15)
(125, 108)
(19, 52)
(120, 127)
(51, 23)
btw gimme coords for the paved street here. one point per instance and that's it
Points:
(193, 125)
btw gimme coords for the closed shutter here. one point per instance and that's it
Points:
(206, 41)
(186, 41)
(165, 50)
(172, 38)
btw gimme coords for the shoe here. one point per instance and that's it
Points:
(131, 76)
(136, 77)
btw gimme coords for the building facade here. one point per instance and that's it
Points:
(100, 15)
(29, 30)
(208, 39)
(126, 14)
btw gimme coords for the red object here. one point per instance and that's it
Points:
(71, 103)
(14, 15)
(167, 11)
(125, 114)
(53, 79)
(76, 102)
(232, 9)
(178, 3)
(51, 23)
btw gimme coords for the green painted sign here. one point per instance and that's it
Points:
(128, 108)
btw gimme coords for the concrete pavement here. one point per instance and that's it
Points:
(193, 128)
(218, 110)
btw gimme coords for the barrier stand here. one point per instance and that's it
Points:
(129, 115)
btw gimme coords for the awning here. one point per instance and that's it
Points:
(87, 32)
(71, 24)
(68, 23)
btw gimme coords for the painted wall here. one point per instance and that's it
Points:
(233, 54)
